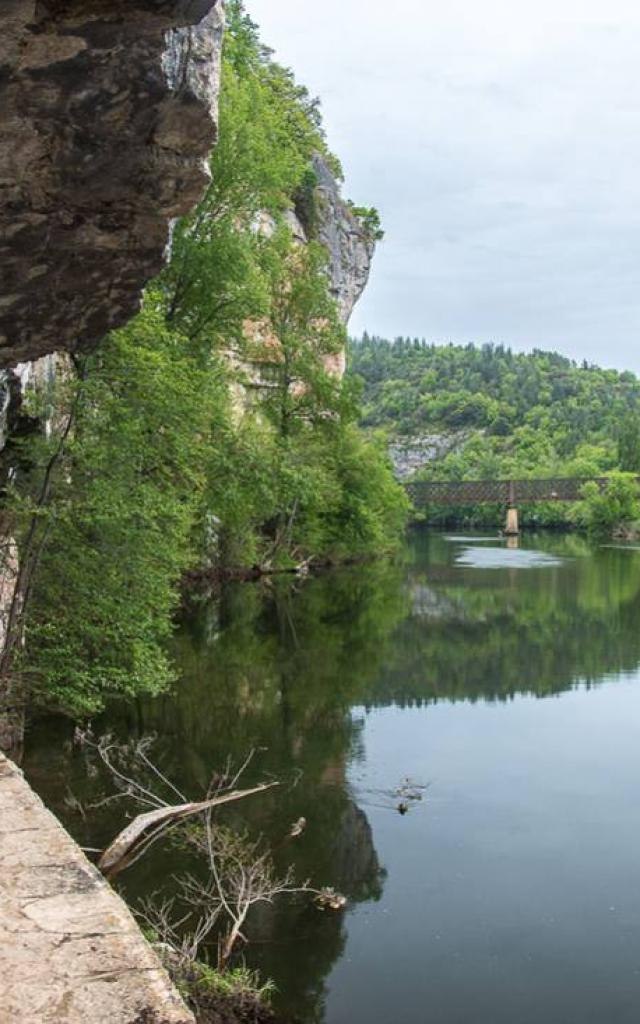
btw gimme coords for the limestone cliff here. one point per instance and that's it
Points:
(349, 245)
(409, 454)
(107, 114)
(329, 219)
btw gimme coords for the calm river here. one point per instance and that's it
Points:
(506, 682)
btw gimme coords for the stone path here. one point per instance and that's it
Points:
(70, 950)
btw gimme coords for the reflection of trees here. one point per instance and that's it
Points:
(280, 668)
(476, 634)
(277, 670)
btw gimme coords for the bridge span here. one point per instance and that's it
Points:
(509, 493)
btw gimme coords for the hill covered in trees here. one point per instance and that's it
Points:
(511, 414)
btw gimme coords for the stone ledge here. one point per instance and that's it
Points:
(70, 950)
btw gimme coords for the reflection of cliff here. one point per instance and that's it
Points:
(299, 945)
(429, 603)
(356, 862)
(290, 941)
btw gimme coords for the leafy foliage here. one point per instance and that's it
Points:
(411, 385)
(615, 508)
(302, 328)
(629, 443)
(120, 520)
(369, 217)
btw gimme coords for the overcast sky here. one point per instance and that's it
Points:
(500, 140)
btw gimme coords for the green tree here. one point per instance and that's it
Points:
(301, 331)
(502, 414)
(629, 444)
(159, 461)
(615, 508)
(119, 519)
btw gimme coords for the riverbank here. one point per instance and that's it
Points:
(214, 576)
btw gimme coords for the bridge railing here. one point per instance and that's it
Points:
(499, 492)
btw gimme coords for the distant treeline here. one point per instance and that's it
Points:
(536, 413)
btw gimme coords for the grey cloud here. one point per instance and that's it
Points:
(501, 143)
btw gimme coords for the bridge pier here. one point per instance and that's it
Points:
(512, 527)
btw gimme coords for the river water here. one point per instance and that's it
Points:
(504, 684)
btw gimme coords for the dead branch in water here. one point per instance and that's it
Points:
(122, 761)
(240, 871)
(241, 874)
(146, 828)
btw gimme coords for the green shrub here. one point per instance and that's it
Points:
(614, 507)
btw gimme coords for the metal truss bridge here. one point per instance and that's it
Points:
(498, 492)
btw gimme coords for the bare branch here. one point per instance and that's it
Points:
(118, 854)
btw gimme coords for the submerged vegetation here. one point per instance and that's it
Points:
(211, 433)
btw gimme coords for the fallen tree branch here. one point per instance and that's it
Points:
(136, 838)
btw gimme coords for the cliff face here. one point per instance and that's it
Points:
(328, 219)
(349, 246)
(409, 454)
(108, 113)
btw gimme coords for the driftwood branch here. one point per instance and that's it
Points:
(132, 842)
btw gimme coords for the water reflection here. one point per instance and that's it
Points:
(510, 557)
(292, 670)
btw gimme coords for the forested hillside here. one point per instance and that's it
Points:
(512, 414)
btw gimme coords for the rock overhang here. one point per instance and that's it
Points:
(108, 114)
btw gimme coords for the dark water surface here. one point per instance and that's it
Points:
(507, 682)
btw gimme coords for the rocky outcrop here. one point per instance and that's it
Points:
(327, 218)
(107, 114)
(348, 244)
(409, 454)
